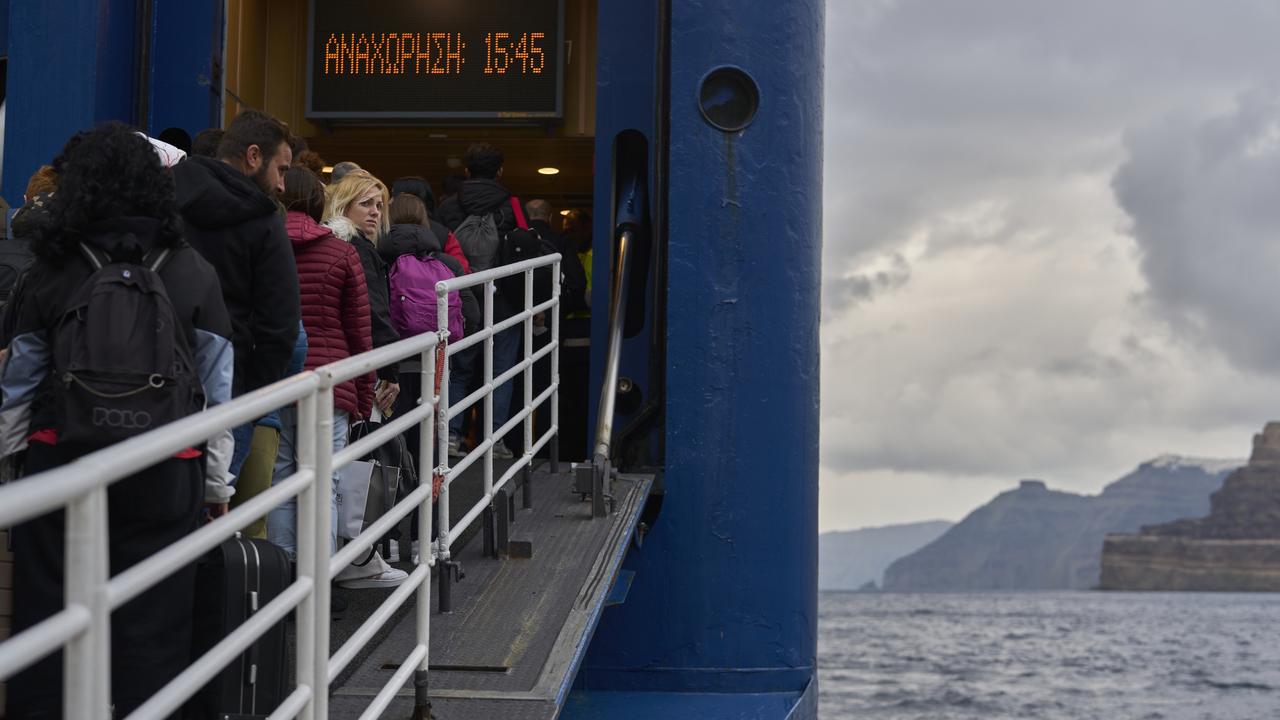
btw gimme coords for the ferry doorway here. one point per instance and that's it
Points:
(268, 67)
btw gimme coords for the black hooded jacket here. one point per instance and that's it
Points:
(236, 227)
(478, 197)
(482, 196)
(573, 283)
(422, 241)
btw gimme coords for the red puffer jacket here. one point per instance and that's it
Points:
(335, 306)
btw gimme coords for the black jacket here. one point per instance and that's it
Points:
(573, 278)
(478, 197)
(424, 242)
(236, 228)
(195, 294)
(375, 276)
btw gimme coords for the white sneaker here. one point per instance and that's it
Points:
(454, 450)
(376, 574)
(386, 579)
(501, 452)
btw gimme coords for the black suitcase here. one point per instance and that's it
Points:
(233, 582)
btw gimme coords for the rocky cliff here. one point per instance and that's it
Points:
(856, 559)
(1034, 538)
(1236, 547)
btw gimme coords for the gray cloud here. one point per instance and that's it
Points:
(1017, 280)
(863, 286)
(1202, 193)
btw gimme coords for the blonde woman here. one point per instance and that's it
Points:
(355, 210)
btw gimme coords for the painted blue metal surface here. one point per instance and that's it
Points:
(184, 90)
(621, 587)
(71, 66)
(74, 64)
(621, 705)
(626, 84)
(725, 594)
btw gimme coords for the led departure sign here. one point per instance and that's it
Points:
(437, 59)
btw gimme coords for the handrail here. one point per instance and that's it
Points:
(613, 353)
(82, 626)
(631, 218)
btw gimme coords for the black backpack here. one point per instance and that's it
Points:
(122, 361)
(516, 246)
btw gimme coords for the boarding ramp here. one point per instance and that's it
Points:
(512, 633)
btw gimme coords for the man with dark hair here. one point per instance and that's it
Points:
(480, 214)
(229, 205)
(206, 143)
(481, 192)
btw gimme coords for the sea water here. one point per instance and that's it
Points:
(1119, 656)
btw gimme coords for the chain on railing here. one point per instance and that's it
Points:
(82, 627)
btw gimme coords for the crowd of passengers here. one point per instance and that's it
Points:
(271, 269)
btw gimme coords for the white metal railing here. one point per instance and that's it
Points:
(448, 532)
(82, 627)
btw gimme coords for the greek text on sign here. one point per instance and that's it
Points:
(447, 59)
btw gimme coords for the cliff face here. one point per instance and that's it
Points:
(1033, 538)
(856, 559)
(1236, 547)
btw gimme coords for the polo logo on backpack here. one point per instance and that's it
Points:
(413, 297)
(122, 360)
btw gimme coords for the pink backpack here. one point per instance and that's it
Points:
(413, 297)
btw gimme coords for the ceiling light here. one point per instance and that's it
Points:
(548, 171)
(565, 212)
(326, 169)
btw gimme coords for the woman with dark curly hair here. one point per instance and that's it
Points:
(114, 205)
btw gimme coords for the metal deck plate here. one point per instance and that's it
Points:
(519, 626)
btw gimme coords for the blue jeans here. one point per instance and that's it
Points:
(242, 435)
(282, 522)
(470, 363)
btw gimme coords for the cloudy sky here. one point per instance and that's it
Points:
(1052, 245)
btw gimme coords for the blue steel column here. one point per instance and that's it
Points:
(71, 66)
(185, 83)
(725, 596)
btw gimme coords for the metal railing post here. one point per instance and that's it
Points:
(86, 686)
(308, 613)
(442, 446)
(322, 433)
(554, 448)
(426, 466)
(490, 292)
(525, 475)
